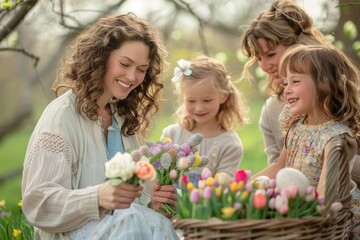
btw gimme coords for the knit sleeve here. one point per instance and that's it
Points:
(49, 202)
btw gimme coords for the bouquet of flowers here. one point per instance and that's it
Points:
(288, 196)
(123, 168)
(171, 161)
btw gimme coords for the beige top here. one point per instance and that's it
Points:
(224, 151)
(272, 134)
(63, 167)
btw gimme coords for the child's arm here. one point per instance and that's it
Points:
(274, 168)
(322, 181)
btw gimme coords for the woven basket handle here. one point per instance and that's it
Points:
(342, 150)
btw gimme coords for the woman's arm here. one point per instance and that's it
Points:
(272, 149)
(49, 203)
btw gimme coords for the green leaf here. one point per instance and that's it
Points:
(356, 47)
(350, 30)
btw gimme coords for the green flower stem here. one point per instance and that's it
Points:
(168, 210)
(249, 209)
(216, 209)
(193, 212)
(297, 205)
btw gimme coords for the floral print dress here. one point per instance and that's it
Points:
(305, 146)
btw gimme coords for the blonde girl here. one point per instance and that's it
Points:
(210, 105)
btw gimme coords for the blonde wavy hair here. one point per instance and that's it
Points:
(232, 112)
(335, 77)
(284, 23)
(84, 71)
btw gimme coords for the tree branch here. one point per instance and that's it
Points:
(23, 51)
(19, 13)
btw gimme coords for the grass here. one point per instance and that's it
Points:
(12, 152)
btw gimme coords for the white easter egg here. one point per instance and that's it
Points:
(291, 176)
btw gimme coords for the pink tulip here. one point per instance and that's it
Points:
(248, 187)
(321, 200)
(173, 174)
(272, 203)
(186, 149)
(240, 176)
(237, 206)
(284, 209)
(207, 192)
(205, 173)
(194, 196)
(272, 183)
(293, 191)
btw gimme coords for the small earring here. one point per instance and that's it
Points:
(113, 100)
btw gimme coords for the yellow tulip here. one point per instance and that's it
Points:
(244, 195)
(218, 191)
(233, 186)
(190, 186)
(227, 212)
(209, 181)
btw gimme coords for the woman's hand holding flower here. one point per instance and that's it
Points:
(118, 196)
(163, 194)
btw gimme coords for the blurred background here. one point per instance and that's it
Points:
(34, 35)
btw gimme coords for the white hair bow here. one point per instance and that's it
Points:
(183, 69)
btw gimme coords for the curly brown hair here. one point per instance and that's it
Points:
(286, 23)
(84, 71)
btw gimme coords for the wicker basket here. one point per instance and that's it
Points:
(329, 226)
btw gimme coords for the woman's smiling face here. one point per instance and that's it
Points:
(269, 59)
(125, 69)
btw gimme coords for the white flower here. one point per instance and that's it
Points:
(120, 166)
(183, 69)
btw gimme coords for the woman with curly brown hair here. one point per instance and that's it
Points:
(107, 93)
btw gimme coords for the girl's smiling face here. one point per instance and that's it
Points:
(300, 96)
(202, 102)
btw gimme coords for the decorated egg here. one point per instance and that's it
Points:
(261, 182)
(291, 176)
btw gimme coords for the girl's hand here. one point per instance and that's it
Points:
(162, 194)
(117, 197)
